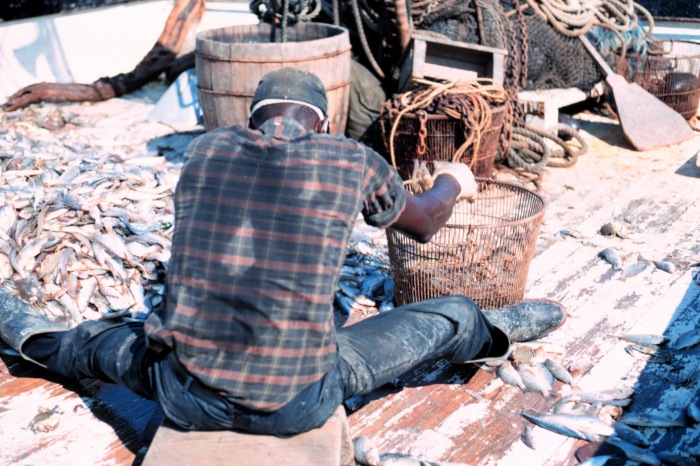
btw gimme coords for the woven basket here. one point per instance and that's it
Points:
(483, 252)
(670, 71)
(444, 135)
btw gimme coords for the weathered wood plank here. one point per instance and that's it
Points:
(329, 445)
(609, 183)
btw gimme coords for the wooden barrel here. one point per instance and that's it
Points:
(231, 61)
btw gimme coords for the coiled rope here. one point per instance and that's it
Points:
(575, 19)
(469, 101)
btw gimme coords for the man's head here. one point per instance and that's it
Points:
(291, 92)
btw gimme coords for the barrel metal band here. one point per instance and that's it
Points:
(246, 94)
(258, 60)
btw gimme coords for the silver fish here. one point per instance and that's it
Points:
(629, 434)
(612, 257)
(688, 339)
(635, 269)
(559, 371)
(536, 381)
(649, 420)
(644, 339)
(355, 402)
(550, 422)
(528, 437)
(365, 451)
(509, 375)
(634, 452)
(665, 266)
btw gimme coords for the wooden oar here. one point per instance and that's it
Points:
(647, 122)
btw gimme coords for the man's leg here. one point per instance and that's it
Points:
(111, 352)
(384, 346)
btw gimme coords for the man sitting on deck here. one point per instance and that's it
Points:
(246, 340)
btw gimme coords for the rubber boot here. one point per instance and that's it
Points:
(19, 322)
(528, 320)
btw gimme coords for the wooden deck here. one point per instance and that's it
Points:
(462, 414)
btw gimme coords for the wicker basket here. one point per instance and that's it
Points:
(670, 71)
(483, 252)
(444, 135)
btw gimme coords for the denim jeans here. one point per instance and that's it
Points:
(370, 353)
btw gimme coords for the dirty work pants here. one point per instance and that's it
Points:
(370, 353)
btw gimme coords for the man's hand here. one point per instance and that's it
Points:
(460, 172)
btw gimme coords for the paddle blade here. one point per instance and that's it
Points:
(647, 122)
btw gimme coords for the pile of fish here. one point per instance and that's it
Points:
(365, 283)
(597, 416)
(85, 232)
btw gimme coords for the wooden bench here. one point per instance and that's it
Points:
(542, 107)
(330, 445)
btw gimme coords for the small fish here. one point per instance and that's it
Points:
(688, 339)
(635, 269)
(559, 371)
(365, 451)
(648, 420)
(635, 452)
(509, 375)
(601, 398)
(612, 257)
(629, 434)
(564, 426)
(644, 339)
(536, 380)
(528, 437)
(665, 266)
(355, 402)
(563, 406)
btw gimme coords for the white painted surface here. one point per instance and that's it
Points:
(84, 46)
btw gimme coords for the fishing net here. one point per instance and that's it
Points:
(556, 60)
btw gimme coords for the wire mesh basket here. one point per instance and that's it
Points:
(483, 252)
(444, 135)
(670, 71)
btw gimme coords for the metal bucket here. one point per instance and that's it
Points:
(231, 61)
(483, 252)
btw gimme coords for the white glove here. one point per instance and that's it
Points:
(462, 174)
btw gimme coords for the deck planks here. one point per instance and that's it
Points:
(462, 414)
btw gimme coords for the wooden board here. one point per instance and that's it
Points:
(329, 445)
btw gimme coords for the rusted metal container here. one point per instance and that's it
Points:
(231, 61)
(483, 252)
(670, 71)
(442, 136)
